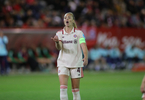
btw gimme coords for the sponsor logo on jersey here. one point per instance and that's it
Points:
(67, 41)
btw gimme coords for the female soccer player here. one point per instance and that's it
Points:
(143, 88)
(71, 42)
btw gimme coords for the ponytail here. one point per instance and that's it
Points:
(75, 25)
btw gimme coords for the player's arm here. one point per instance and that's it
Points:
(142, 88)
(85, 52)
(58, 43)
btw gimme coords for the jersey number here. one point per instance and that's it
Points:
(78, 70)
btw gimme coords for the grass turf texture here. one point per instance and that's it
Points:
(94, 86)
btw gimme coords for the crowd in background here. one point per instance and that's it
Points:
(104, 58)
(49, 13)
(40, 58)
(32, 58)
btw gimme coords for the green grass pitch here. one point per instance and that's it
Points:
(120, 85)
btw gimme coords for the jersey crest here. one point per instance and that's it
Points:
(75, 36)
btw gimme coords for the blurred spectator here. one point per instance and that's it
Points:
(44, 57)
(97, 61)
(116, 58)
(139, 53)
(133, 53)
(23, 59)
(18, 59)
(106, 13)
(3, 54)
(32, 58)
(13, 59)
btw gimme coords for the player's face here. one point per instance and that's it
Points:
(68, 20)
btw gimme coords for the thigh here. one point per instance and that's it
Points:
(63, 79)
(75, 83)
(63, 73)
(76, 74)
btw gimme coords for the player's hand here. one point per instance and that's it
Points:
(55, 38)
(85, 61)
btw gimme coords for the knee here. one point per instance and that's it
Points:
(75, 87)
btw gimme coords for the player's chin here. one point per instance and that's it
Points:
(67, 25)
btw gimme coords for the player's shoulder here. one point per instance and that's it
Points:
(78, 30)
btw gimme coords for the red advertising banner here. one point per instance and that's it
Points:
(121, 37)
(104, 36)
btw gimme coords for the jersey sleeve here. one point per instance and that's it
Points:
(59, 36)
(82, 38)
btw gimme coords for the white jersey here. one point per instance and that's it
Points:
(71, 54)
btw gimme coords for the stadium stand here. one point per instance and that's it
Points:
(48, 13)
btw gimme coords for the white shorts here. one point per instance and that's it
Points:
(143, 96)
(72, 72)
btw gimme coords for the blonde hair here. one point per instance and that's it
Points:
(74, 24)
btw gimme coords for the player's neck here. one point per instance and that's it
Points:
(68, 29)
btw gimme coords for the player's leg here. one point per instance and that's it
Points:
(1, 68)
(63, 79)
(75, 88)
(143, 96)
(3, 65)
(76, 74)
(6, 65)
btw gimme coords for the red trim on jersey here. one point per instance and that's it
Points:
(82, 74)
(62, 32)
(59, 30)
(74, 29)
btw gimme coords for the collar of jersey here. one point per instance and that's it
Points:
(72, 31)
